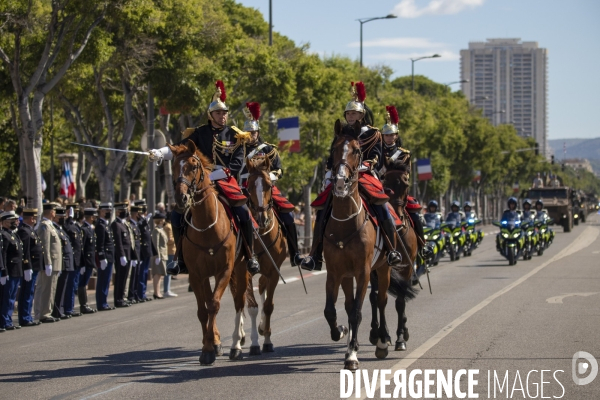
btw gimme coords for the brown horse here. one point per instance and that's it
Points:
(261, 206)
(397, 180)
(209, 249)
(349, 247)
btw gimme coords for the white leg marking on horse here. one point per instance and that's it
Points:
(253, 311)
(351, 352)
(381, 345)
(237, 331)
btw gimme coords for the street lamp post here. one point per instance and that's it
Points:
(413, 60)
(453, 83)
(364, 21)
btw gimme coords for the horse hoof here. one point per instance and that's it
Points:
(381, 353)
(235, 354)
(351, 365)
(218, 350)
(243, 341)
(255, 351)
(405, 334)
(207, 358)
(268, 348)
(400, 346)
(339, 333)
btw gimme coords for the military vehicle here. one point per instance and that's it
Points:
(559, 203)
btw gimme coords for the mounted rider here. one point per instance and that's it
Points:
(221, 145)
(393, 152)
(256, 147)
(372, 156)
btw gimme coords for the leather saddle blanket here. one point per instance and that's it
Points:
(230, 189)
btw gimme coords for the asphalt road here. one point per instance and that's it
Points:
(483, 315)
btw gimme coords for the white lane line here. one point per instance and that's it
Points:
(106, 391)
(559, 299)
(586, 238)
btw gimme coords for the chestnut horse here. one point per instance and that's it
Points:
(349, 247)
(209, 249)
(261, 205)
(397, 179)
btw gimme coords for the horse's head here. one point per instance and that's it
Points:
(347, 157)
(397, 178)
(188, 172)
(260, 190)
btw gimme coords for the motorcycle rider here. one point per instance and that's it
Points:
(540, 213)
(510, 214)
(528, 213)
(468, 209)
(221, 145)
(257, 147)
(433, 218)
(454, 214)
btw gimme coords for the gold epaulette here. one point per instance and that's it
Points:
(241, 136)
(187, 132)
(404, 150)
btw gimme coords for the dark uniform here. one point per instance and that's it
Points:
(67, 271)
(33, 257)
(89, 262)
(123, 246)
(148, 250)
(260, 148)
(12, 254)
(105, 249)
(132, 294)
(73, 229)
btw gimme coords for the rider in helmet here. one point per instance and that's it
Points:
(528, 213)
(355, 110)
(433, 218)
(257, 147)
(454, 214)
(218, 143)
(540, 213)
(511, 213)
(468, 209)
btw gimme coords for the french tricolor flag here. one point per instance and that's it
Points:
(289, 131)
(424, 169)
(67, 185)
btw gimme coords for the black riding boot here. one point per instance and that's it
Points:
(314, 261)
(426, 251)
(394, 258)
(248, 231)
(82, 295)
(292, 243)
(177, 266)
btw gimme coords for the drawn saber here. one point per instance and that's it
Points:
(144, 153)
(256, 235)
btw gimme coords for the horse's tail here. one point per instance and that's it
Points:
(401, 287)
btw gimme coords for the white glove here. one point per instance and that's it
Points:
(48, 270)
(148, 216)
(82, 270)
(326, 180)
(155, 155)
(103, 264)
(157, 261)
(273, 177)
(3, 280)
(123, 261)
(28, 274)
(133, 263)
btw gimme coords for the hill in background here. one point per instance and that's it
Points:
(578, 148)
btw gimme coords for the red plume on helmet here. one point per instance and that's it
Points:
(254, 108)
(394, 119)
(221, 87)
(361, 93)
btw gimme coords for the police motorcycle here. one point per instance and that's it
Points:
(531, 232)
(455, 231)
(543, 222)
(434, 236)
(474, 236)
(510, 241)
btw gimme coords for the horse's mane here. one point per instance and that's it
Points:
(183, 148)
(397, 165)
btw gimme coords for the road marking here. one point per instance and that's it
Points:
(559, 299)
(586, 238)
(596, 252)
(106, 391)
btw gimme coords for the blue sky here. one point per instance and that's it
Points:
(569, 29)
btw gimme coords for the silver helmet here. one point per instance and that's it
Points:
(391, 123)
(218, 101)
(252, 113)
(358, 98)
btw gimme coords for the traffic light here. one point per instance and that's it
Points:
(537, 149)
(552, 158)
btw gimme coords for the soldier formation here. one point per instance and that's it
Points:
(48, 258)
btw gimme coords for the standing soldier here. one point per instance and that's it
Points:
(52, 252)
(12, 254)
(136, 244)
(219, 144)
(68, 265)
(105, 249)
(257, 147)
(89, 259)
(147, 250)
(33, 257)
(123, 245)
(73, 229)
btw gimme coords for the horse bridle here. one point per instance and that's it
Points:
(192, 185)
(354, 171)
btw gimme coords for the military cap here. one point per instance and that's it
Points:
(136, 208)
(50, 206)
(90, 212)
(122, 206)
(106, 206)
(61, 211)
(159, 215)
(8, 215)
(30, 212)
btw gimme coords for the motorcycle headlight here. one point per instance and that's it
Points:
(543, 230)
(504, 235)
(529, 233)
(516, 235)
(435, 237)
(456, 233)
